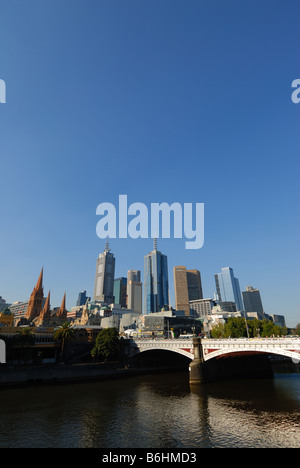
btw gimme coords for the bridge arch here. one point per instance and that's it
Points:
(217, 348)
(184, 348)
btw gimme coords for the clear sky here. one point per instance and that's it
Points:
(173, 100)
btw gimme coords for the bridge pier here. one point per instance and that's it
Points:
(197, 366)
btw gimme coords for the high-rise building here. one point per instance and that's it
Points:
(156, 284)
(3, 304)
(194, 285)
(82, 298)
(104, 279)
(120, 291)
(228, 288)
(252, 300)
(134, 291)
(181, 289)
(188, 287)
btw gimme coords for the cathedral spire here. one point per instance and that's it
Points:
(46, 308)
(39, 284)
(35, 303)
(63, 311)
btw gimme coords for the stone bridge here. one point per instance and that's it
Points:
(203, 353)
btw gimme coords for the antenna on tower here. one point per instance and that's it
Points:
(154, 243)
(107, 249)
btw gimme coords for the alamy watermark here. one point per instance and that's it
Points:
(2, 352)
(2, 92)
(135, 221)
(296, 94)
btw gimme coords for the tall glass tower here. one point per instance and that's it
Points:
(104, 278)
(156, 284)
(228, 288)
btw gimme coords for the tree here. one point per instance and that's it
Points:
(217, 331)
(107, 345)
(25, 340)
(64, 333)
(235, 327)
(297, 329)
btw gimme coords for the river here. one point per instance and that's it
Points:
(154, 411)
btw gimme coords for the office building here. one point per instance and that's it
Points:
(201, 307)
(181, 289)
(228, 288)
(252, 301)
(187, 286)
(120, 291)
(194, 285)
(104, 279)
(156, 284)
(134, 291)
(82, 298)
(3, 304)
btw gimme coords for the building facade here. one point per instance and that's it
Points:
(228, 288)
(194, 285)
(202, 307)
(252, 300)
(82, 298)
(120, 291)
(134, 291)
(104, 279)
(156, 284)
(187, 287)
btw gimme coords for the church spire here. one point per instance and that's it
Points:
(63, 311)
(35, 303)
(39, 284)
(46, 308)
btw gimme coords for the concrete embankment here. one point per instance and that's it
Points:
(15, 376)
(51, 374)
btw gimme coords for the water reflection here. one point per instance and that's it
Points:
(156, 411)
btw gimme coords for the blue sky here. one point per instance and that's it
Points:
(186, 101)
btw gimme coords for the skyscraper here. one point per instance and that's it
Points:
(228, 288)
(252, 301)
(188, 287)
(82, 298)
(194, 285)
(156, 284)
(181, 289)
(104, 279)
(120, 291)
(134, 291)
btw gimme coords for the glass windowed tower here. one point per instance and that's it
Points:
(156, 284)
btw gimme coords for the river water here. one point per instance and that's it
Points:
(154, 411)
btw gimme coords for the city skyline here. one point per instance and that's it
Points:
(227, 273)
(172, 102)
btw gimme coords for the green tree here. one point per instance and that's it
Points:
(235, 327)
(297, 329)
(107, 345)
(64, 333)
(217, 331)
(24, 339)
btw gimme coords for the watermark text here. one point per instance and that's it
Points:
(2, 92)
(296, 94)
(164, 221)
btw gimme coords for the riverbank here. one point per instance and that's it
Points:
(51, 374)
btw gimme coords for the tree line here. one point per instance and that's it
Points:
(238, 327)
